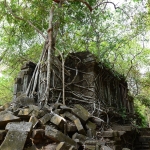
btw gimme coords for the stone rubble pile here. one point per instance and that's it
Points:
(26, 126)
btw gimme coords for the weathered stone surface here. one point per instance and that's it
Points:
(58, 136)
(70, 116)
(90, 147)
(30, 111)
(58, 120)
(94, 142)
(46, 118)
(34, 121)
(110, 133)
(6, 117)
(63, 146)
(81, 137)
(81, 112)
(2, 134)
(19, 126)
(25, 101)
(105, 148)
(122, 128)
(79, 126)
(125, 149)
(14, 140)
(25, 113)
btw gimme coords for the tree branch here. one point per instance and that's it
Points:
(20, 18)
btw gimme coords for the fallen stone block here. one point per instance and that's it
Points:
(14, 140)
(81, 137)
(64, 146)
(110, 134)
(19, 126)
(25, 101)
(79, 126)
(6, 117)
(58, 121)
(105, 148)
(90, 147)
(122, 128)
(45, 118)
(81, 112)
(70, 116)
(95, 142)
(30, 111)
(125, 149)
(58, 136)
(25, 113)
(33, 147)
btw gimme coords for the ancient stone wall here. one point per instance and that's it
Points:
(87, 82)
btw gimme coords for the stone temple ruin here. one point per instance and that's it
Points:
(98, 114)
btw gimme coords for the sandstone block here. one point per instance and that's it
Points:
(46, 118)
(25, 113)
(14, 140)
(110, 134)
(58, 120)
(79, 126)
(105, 148)
(70, 116)
(122, 128)
(19, 126)
(90, 147)
(58, 136)
(81, 112)
(6, 117)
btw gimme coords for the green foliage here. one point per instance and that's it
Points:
(6, 89)
(141, 111)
